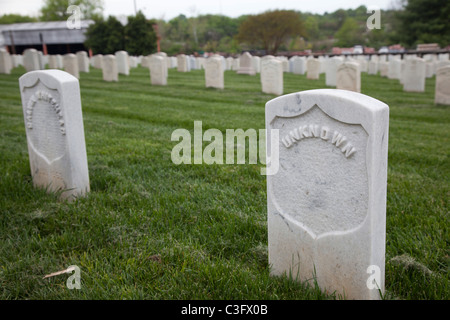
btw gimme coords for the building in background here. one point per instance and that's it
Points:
(53, 37)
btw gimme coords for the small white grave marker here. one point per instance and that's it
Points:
(158, 70)
(214, 76)
(272, 76)
(55, 133)
(109, 68)
(348, 76)
(442, 90)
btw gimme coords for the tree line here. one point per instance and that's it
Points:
(411, 23)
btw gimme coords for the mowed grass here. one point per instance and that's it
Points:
(150, 229)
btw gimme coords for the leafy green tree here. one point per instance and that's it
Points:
(270, 29)
(312, 28)
(105, 37)
(16, 18)
(140, 37)
(349, 34)
(425, 21)
(56, 10)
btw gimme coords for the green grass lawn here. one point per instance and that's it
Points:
(150, 229)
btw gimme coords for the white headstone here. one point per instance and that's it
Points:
(442, 89)
(145, 62)
(59, 58)
(214, 74)
(256, 62)
(53, 62)
(164, 63)
(123, 66)
(70, 62)
(373, 67)
(394, 69)
(327, 201)
(31, 60)
(312, 68)
(349, 77)
(332, 65)
(158, 70)
(272, 76)
(245, 64)
(182, 63)
(55, 133)
(299, 65)
(383, 66)
(229, 62)
(109, 68)
(42, 60)
(5, 62)
(83, 61)
(97, 61)
(16, 60)
(442, 63)
(414, 75)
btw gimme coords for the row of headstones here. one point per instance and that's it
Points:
(345, 72)
(340, 72)
(325, 222)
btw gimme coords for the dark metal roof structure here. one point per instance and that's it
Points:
(35, 33)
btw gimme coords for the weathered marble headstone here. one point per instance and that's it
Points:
(327, 201)
(394, 69)
(16, 60)
(373, 67)
(55, 134)
(182, 63)
(442, 90)
(83, 61)
(109, 68)
(442, 63)
(272, 76)
(246, 65)
(145, 62)
(31, 60)
(164, 63)
(299, 65)
(5, 62)
(383, 67)
(70, 62)
(256, 61)
(158, 70)
(123, 66)
(53, 61)
(312, 69)
(285, 62)
(229, 62)
(59, 59)
(97, 61)
(214, 73)
(348, 77)
(414, 75)
(332, 65)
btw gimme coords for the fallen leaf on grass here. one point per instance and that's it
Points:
(68, 270)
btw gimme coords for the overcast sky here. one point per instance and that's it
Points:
(168, 9)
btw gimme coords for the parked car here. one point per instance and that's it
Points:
(383, 50)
